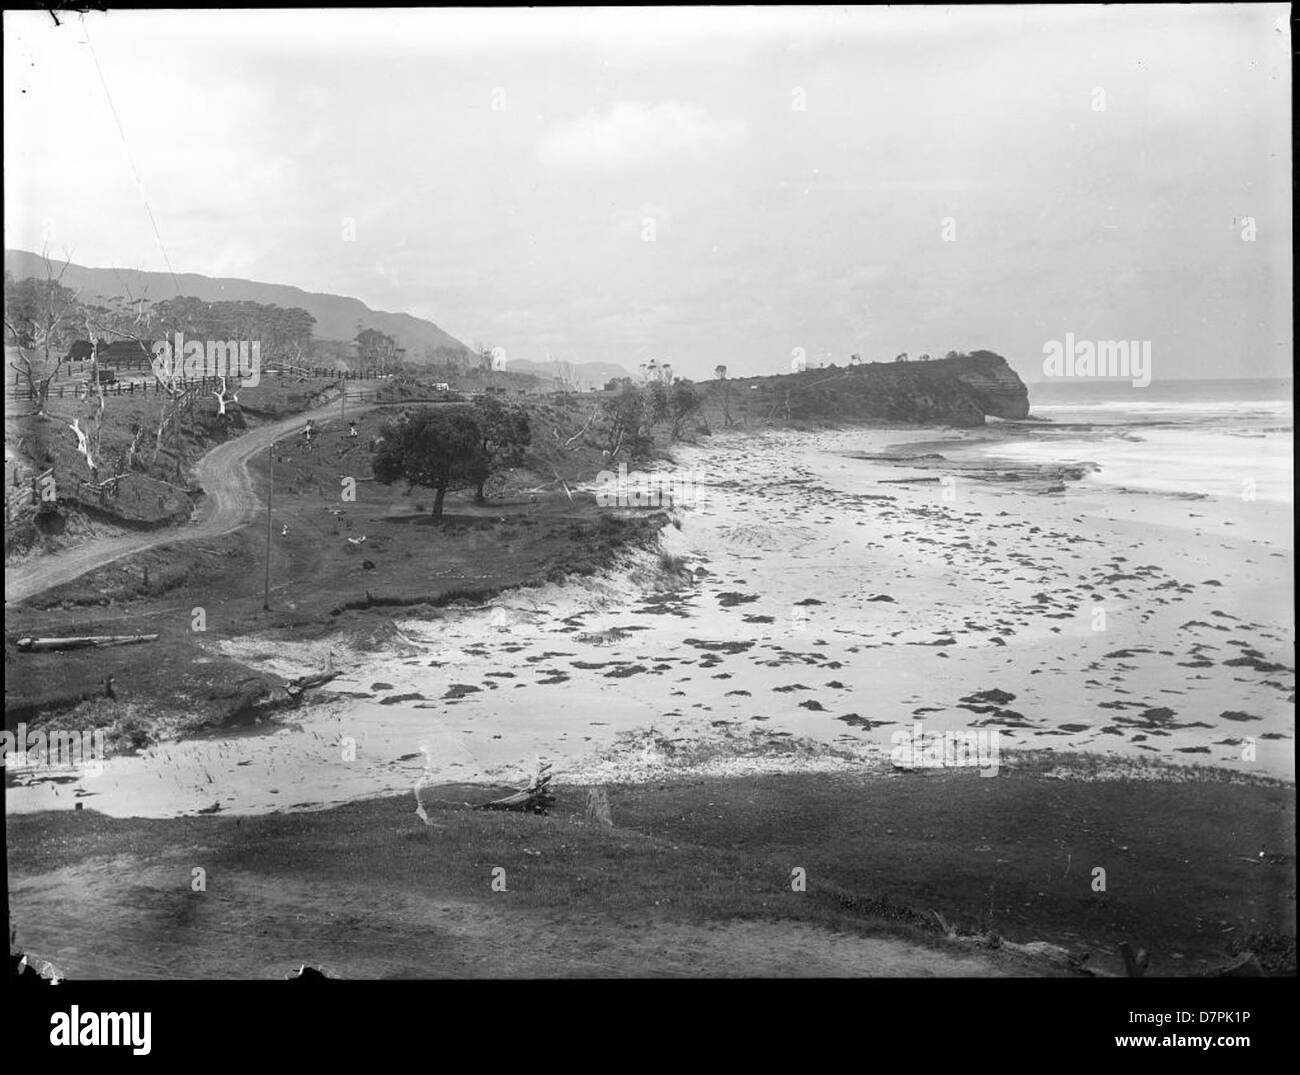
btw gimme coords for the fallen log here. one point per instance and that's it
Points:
(39, 645)
(312, 679)
(536, 798)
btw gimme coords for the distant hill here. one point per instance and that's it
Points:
(587, 374)
(336, 315)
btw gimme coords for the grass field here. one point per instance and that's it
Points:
(695, 877)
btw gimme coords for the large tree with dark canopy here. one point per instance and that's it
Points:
(438, 448)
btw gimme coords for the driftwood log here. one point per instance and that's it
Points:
(41, 645)
(536, 798)
(295, 687)
(315, 679)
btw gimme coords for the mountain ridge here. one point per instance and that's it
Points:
(589, 374)
(336, 315)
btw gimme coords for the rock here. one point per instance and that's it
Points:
(996, 696)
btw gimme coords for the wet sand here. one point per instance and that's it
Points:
(828, 601)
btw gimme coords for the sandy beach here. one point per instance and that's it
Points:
(685, 493)
(827, 602)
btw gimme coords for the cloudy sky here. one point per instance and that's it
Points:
(694, 186)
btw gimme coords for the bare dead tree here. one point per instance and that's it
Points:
(83, 445)
(170, 379)
(137, 431)
(98, 385)
(41, 334)
(168, 375)
(590, 418)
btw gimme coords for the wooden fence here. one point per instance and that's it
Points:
(24, 493)
(84, 390)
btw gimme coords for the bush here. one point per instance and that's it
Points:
(672, 565)
(128, 734)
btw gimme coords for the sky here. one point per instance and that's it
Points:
(706, 186)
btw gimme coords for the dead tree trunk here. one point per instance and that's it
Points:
(598, 806)
(536, 798)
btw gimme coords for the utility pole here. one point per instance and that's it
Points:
(270, 483)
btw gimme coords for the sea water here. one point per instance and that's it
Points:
(1210, 438)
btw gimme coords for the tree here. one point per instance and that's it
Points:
(40, 324)
(198, 320)
(285, 331)
(627, 420)
(376, 349)
(720, 372)
(684, 400)
(505, 437)
(98, 321)
(438, 448)
(282, 332)
(175, 392)
(657, 404)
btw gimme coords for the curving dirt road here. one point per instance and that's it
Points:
(229, 503)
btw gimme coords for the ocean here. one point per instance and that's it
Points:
(1221, 439)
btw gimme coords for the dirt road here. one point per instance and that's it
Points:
(230, 502)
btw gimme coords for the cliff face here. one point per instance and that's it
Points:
(996, 387)
(957, 391)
